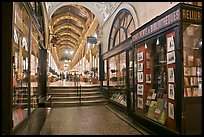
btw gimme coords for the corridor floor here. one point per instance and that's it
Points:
(86, 120)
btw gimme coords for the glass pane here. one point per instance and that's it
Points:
(192, 56)
(155, 70)
(34, 67)
(131, 60)
(20, 65)
(117, 83)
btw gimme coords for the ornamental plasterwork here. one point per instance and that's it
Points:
(105, 8)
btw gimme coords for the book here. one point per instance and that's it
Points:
(189, 94)
(150, 93)
(186, 81)
(158, 109)
(151, 110)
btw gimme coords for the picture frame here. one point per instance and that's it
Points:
(170, 74)
(140, 89)
(171, 57)
(140, 102)
(147, 64)
(148, 78)
(187, 71)
(171, 91)
(170, 43)
(140, 56)
(171, 110)
(147, 55)
(140, 77)
(140, 67)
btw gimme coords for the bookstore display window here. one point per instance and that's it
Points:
(34, 67)
(117, 78)
(155, 80)
(192, 56)
(20, 64)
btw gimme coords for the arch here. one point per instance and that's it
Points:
(72, 17)
(67, 25)
(64, 42)
(87, 5)
(65, 47)
(64, 33)
(131, 9)
(67, 39)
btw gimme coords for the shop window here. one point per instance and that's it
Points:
(155, 79)
(117, 78)
(192, 56)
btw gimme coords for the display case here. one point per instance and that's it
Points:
(168, 73)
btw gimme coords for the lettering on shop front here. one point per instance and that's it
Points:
(169, 19)
(192, 15)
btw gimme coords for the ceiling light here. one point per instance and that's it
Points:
(71, 52)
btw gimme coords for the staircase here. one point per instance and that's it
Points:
(68, 96)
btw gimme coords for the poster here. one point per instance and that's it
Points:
(170, 43)
(140, 66)
(170, 74)
(140, 102)
(171, 91)
(140, 89)
(171, 110)
(140, 56)
(171, 57)
(140, 77)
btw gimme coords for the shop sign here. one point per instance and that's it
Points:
(192, 15)
(167, 20)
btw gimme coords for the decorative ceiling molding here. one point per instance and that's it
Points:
(102, 10)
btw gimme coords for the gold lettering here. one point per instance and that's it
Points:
(184, 14)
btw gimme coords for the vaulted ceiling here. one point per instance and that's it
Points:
(67, 26)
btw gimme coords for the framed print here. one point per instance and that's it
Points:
(170, 74)
(171, 91)
(140, 102)
(148, 102)
(171, 110)
(147, 64)
(187, 71)
(140, 56)
(171, 57)
(170, 43)
(147, 55)
(140, 67)
(140, 77)
(148, 78)
(140, 89)
(151, 92)
(193, 71)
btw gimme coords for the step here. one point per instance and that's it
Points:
(67, 90)
(74, 103)
(73, 93)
